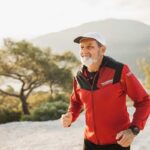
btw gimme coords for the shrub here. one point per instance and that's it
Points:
(59, 97)
(7, 115)
(26, 118)
(47, 111)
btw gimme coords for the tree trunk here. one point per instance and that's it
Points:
(51, 90)
(25, 108)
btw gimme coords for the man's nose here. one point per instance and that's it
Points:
(84, 50)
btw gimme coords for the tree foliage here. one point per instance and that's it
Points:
(33, 67)
(145, 67)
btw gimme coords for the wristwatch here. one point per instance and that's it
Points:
(135, 130)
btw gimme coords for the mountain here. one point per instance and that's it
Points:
(127, 40)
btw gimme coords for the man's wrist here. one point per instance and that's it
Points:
(135, 130)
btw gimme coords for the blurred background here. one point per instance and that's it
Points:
(38, 57)
(38, 53)
(38, 60)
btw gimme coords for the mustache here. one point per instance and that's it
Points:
(86, 56)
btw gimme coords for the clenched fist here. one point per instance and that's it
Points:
(125, 138)
(66, 120)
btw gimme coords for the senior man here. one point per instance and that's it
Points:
(101, 86)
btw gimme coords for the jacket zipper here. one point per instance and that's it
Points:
(93, 105)
(93, 108)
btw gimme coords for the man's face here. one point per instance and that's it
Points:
(90, 48)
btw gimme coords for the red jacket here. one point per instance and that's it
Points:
(105, 101)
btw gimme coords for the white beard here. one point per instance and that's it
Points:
(87, 61)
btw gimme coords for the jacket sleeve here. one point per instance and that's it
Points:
(138, 94)
(75, 105)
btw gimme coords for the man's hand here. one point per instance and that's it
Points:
(125, 138)
(66, 120)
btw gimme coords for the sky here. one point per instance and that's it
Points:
(27, 19)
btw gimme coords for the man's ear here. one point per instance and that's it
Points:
(103, 49)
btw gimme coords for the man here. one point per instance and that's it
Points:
(101, 87)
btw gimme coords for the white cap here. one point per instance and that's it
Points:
(94, 35)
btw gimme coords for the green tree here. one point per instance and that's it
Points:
(32, 68)
(67, 60)
(23, 62)
(62, 77)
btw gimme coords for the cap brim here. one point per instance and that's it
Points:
(77, 40)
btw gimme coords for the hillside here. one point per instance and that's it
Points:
(127, 40)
